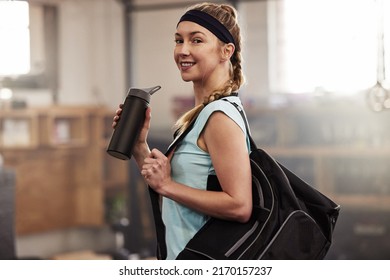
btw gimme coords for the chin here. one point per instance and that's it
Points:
(186, 79)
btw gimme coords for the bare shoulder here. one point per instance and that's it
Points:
(219, 121)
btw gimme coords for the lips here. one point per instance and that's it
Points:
(186, 65)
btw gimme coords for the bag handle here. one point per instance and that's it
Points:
(180, 137)
(252, 142)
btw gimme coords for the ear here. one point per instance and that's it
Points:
(227, 51)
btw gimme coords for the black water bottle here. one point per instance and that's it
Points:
(129, 126)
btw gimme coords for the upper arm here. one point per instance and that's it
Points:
(226, 143)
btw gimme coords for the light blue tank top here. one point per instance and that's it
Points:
(191, 166)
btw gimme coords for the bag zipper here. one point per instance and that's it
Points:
(242, 240)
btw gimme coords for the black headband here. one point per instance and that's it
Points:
(210, 23)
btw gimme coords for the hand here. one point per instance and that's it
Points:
(157, 171)
(117, 116)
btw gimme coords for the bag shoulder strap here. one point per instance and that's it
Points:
(180, 137)
(252, 142)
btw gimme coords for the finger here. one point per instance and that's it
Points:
(149, 162)
(116, 118)
(148, 117)
(147, 177)
(144, 172)
(155, 153)
(148, 113)
(149, 159)
(171, 154)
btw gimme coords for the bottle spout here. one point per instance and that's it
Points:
(152, 89)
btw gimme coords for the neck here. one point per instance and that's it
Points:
(203, 88)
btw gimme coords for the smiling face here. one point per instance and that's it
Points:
(198, 54)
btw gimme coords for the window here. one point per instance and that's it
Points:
(327, 45)
(14, 37)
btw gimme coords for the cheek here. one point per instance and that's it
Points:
(175, 56)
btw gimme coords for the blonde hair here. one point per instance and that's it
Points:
(227, 15)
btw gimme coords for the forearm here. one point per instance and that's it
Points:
(211, 203)
(140, 152)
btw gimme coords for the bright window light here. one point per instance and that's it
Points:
(330, 45)
(14, 38)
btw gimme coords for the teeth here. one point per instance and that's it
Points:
(187, 64)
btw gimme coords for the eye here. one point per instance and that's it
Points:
(196, 41)
(178, 41)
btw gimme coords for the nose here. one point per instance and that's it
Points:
(184, 49)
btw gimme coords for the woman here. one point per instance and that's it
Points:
(208, 54)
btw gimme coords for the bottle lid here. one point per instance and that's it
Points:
(144, 93)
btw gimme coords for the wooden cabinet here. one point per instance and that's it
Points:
(66, 127)
(62, 169)
(19, 129)
(343, 150)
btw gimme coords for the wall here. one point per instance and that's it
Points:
(91, 54)
(253, 19)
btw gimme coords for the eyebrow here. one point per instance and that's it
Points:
(191, 33)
